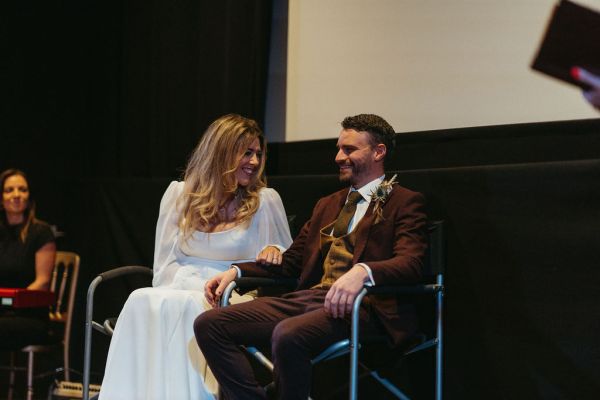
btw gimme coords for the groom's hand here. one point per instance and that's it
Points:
(213, 289)
(341, 295)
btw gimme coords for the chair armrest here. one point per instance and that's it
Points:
(404, 289)
(252, 282)
(432, 288)
(133, 269)
(249, 283)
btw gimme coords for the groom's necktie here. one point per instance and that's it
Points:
(343, 220)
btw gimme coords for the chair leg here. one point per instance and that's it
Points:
(30, 375)
(439, 349)
(389, 386)
(11, 379)
(354, 345)
(67, 371)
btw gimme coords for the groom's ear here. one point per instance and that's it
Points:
(380, 151)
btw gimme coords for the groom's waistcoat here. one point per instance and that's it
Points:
(338, 253)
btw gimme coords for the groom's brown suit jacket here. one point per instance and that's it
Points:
(393, 248)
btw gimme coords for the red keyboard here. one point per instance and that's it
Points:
(25, 298)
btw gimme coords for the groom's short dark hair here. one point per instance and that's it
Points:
(378, 128)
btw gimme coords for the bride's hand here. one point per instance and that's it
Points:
(213, 289)
(270, 255)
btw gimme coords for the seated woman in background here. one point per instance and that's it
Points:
(27, 252)
(222, 213)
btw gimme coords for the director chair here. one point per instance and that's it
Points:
(107, 327)
(435, 266)
(63, 284)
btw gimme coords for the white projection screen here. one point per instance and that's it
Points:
(421, 64)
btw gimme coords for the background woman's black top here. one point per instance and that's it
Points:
(17, 259)
(20, 327)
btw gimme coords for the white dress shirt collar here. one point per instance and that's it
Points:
(367, 190)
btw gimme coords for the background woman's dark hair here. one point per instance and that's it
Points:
(29, 211)
(378, 128)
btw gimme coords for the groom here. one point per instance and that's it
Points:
(373, 232)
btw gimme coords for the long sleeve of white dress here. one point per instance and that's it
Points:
(167, 229)
(271, 221)
(269, 226)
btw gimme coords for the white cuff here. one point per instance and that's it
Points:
(239, 271)
(371, 281)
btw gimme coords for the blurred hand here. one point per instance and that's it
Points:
(341, 295)
(269, 256)
(213, 289)
(591, 95)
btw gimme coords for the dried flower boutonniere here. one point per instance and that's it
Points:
(380, 195)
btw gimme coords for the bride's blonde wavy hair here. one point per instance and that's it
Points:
(210, 175)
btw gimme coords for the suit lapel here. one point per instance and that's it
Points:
(333, 209)
(364, 228)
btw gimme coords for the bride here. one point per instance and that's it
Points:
(221, 214)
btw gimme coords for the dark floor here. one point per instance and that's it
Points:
(414, 377)
(45, 376)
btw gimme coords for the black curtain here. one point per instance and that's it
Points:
(102, 99)
(125, 88)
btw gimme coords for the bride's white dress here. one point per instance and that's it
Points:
(153, 353)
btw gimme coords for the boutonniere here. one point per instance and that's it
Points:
(380, 196)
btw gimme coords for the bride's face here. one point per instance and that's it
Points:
(249, 164)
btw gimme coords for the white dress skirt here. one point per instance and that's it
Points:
(153, 353)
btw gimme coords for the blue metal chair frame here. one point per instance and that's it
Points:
(436, 263)
(105, 328)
